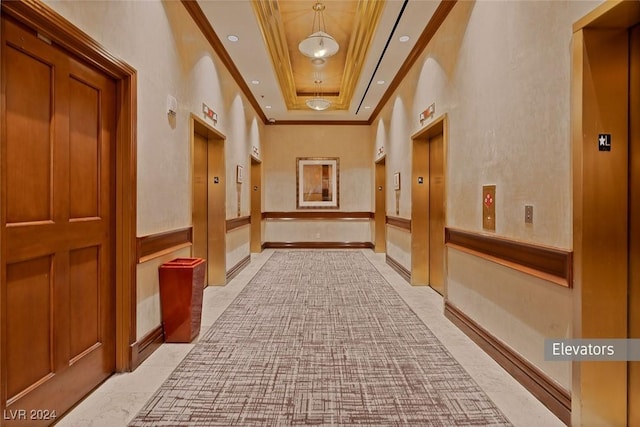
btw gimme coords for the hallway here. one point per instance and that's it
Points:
(120, 398)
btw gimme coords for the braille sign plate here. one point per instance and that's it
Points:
(604, 142)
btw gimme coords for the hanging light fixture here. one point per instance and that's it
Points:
(319, 44)
(318, 103)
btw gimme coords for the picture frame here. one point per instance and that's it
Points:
(396, 181)
(239, 173)
(317, 182)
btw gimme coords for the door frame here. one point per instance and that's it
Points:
(599, 104)
(41, 18)
(216, 221)
(420, 201)
(380, 211)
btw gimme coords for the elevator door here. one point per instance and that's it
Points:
(634, 224)
(58, 169)
(436, 213)
(381, 207)
(200, 190)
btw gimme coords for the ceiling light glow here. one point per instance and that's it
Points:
(233, 38)
(404, 39)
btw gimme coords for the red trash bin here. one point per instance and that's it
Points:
(181, 285)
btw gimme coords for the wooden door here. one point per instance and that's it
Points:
(57, 169)
(199, 205)
(633, 403)
(436, 213)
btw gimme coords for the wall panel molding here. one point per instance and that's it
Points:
(547, 263)
(156, 245)
(313, 215)
(544, 388)
(317, 245)
(399, 268)
(241, 221)
(402, 223)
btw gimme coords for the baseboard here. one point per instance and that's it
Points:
(145, 347)
(238, 267)
(399, 268)
(545, 389)
(318, 245)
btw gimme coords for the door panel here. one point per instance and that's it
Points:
(217, 213)
(28, 284)
(84, 294)
(420, 213)
(381, 207)
(199, 209)
(57, 174)
(256, 206)
(28, 140)
(634, 223)
(84, 150)
(436, 214)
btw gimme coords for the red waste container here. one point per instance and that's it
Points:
(181, 284)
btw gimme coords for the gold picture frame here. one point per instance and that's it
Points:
(318, 183)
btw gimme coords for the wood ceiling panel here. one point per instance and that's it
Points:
(285, 23)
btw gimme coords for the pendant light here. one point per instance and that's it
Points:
(318, 103)
(319, 44)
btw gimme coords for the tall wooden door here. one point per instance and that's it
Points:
(436, 213)
(633, 376)
(57, 169)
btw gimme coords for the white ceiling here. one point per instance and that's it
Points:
(251, 57)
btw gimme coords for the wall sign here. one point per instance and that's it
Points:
(604, 142)
(489, 207)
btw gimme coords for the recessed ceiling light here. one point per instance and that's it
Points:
(404, 39)
(255, 82)
(232, 38)
(380, 82)
(367, 107)
(268, 107)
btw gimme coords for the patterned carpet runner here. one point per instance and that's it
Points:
(319, 338)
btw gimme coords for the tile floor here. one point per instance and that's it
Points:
(117, 401)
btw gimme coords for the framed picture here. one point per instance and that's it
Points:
(239, 174)
(396, 181)
(317, 182)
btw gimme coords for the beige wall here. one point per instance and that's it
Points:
(352, 145)
(501, 72)
(172, 57)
